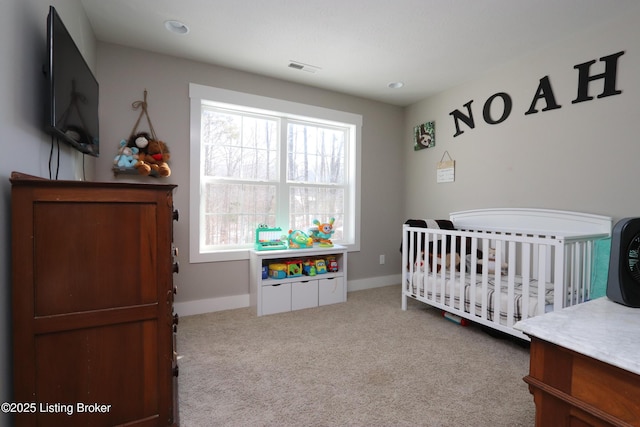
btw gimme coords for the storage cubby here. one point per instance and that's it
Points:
(283, 292)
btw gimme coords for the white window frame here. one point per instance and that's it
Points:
(262, 104)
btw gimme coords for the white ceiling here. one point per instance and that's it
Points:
(358, 46)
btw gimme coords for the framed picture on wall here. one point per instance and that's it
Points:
(424, 136)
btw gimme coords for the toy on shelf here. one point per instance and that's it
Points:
(278, 270)
(322, 233)
(294, 267)
(332, 264)
(299, 240)
(321, 267)
(269, 238)
(308, 268)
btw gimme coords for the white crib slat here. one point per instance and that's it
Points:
(443, 268)
(574, 295)
(584, 274)
(418, 275)
(573, 253)
(408, 241)
(559, 290)
(473, 270)
(433, 261)
(497, 292)
(526, 274)
(463, 271)
(511, 274)
(452, 272)
(413, 262)
(535, 264)
(485, 279)
(542, 284)
(587, 265)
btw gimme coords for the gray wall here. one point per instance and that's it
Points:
(25, 147)
(125, 73)
(581, 157)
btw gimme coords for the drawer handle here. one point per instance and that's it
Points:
(176, 215)
(176, 267)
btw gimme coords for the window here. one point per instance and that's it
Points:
(258, 160)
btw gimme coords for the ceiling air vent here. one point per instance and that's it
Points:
(304, 67)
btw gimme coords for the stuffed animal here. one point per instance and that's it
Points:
(451, 260)
(493, 264)
(127, 156)
(154, 159)
(140, 140)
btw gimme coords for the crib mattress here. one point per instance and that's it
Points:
(520, 302)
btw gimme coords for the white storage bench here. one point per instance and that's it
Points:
(276, 295)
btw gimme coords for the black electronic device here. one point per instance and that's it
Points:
(72, 90)
(623, 285)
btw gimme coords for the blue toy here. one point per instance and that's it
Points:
(127, 156)
(308, 268)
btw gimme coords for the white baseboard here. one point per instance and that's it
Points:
(210, 305)
(373, 282)
(190, 308)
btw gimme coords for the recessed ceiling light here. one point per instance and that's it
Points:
(176, 27)
(395, 85)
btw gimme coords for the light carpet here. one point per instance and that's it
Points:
(360, 363)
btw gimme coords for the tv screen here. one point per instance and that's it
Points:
(72, 91)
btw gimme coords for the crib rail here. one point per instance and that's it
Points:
(494, 278)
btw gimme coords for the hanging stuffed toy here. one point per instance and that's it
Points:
(127, 156)
(152, 153)
(154, 159)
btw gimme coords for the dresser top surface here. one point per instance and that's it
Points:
(600, 329)
(21, 179)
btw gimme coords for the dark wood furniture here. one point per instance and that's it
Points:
(571, 389)
(93, 322)
(584, 365)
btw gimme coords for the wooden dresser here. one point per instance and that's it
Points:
(585, 365)
(93, 323)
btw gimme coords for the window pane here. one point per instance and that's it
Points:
(233, 211)
(321, 203)
(239, 146)
(315, 154)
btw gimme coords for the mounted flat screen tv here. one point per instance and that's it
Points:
(72, 99)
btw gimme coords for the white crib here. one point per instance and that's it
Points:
(499, 266)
